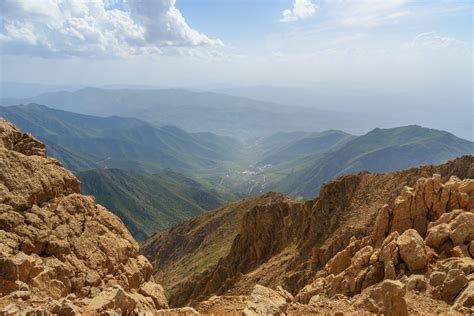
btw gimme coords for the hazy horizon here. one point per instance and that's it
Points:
(385, 63)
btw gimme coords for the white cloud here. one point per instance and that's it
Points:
(433, 41)
(302, 9)
(91, 28)
(369, 13)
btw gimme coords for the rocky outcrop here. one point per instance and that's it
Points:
(385, 298)
(60, 252)
(359, 246)
(223, 305)
(265, 301)
(361, 230)
(440, 266)
(412, 250)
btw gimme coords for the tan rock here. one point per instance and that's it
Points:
(437, 278)
(310, 290)
(223, 305)
(453, 284)
(428, 199)
(416, 283)
(466, 297)
(381, 227)
(184, 311)
(156, 292)
(265, 301)
(57, 242)
(412, 250)
(66, 308)
(112, 298)
(385, 298)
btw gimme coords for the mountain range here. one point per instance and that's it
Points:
(128, 143)
(195, 111)
(296, 163)
(154, 177)
(381, 150)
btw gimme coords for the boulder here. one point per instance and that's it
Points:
(112, 299)
(156, 292)
(223, 305)
(412, 250)
(416, 283)
(265, 301)
(66, 308)
(466, 297)
(453, 284)
(385, 298)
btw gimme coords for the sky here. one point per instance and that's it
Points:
(188, 42)
(375, 53)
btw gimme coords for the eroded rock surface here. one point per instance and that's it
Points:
(408, 232)
(60, 251)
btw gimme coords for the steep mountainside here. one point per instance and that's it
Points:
(289, 243)
(200, 242)
(127, 143)
(288, 147)
(147, 203)
(196, 111)
(380, 150)
(60, 252)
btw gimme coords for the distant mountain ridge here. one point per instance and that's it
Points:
(119, 142)
(381, 150)
(296, 163)
(195, 111)
(299, 145)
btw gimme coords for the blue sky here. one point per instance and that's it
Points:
(410, 60)
(189, 42)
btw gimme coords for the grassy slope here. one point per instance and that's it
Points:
(198, 243)
(147, 203)
(380, 150)
(121, 142)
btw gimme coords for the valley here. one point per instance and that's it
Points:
(154, 177)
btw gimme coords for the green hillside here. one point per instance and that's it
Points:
(380, 150)
(147, 203)
(298, 145)
(125, 143)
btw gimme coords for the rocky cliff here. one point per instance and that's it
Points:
(197, 244)
(60, 252)
(370, 233)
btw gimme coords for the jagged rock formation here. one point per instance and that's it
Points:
(361, 232)
(59, 251)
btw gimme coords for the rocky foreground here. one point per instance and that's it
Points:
(60, 252)
(368, 244)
